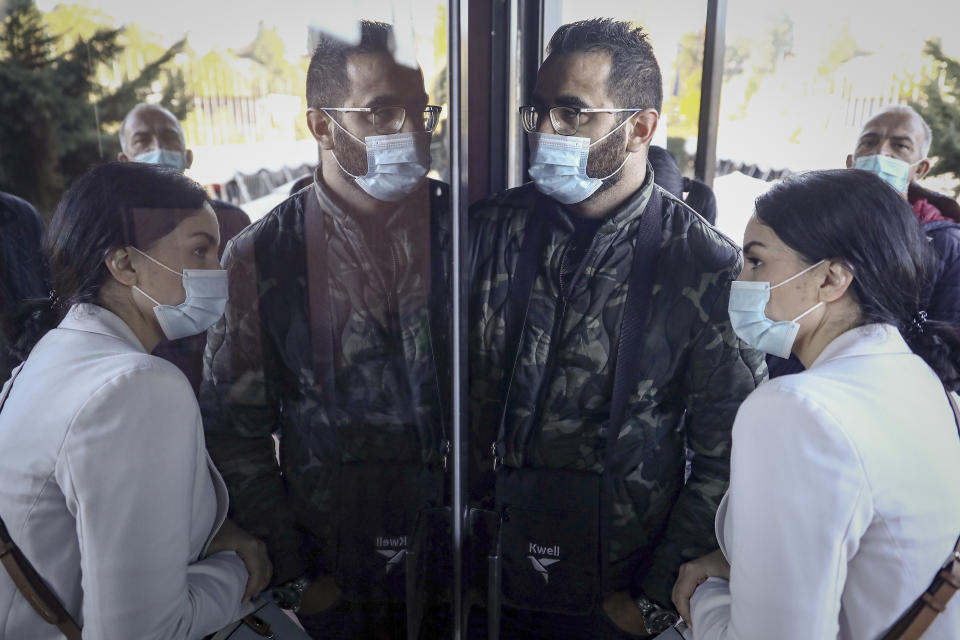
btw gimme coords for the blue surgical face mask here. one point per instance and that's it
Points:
(747, 308)
(164, 158)
(894, 171)
(206, 299)
(558, 165)
(396, 163)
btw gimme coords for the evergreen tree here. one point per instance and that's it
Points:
(940, 107)
(54, 107)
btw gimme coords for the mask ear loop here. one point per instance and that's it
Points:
(810, 310)
(335, 159)
(794, 277)
(155, 261)
(617, 170)
(797, 275)
(609, 133)
(146, 295)
(604, 136)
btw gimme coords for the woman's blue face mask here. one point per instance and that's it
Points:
(747, 309)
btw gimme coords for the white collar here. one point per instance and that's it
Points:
(866, 340)
(93, 318)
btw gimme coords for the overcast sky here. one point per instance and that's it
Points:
(222, 24)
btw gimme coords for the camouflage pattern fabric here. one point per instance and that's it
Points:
(260, 378)
(695, 373)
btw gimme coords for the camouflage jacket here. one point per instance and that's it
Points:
(694, 372)
(260, 377)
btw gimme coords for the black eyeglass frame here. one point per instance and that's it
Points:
(431, 109)
(532, 128)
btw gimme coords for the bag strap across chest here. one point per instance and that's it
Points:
(635, 311)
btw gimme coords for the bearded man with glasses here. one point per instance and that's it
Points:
(600, 352)
(332, 339)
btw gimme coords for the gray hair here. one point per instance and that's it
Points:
(907, 110)
(140, 107)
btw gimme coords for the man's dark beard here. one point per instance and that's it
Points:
(606, 157)
(351, 154)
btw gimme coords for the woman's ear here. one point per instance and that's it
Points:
(837, 280)
(120, 265)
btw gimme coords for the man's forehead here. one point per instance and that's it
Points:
(581, 74)
(372, 75)
(152, 119)
(894, 124)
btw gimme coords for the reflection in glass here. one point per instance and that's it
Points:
(325, 387)
(336, 339)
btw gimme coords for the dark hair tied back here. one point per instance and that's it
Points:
(917, 324)
(111, 206)
(939, 344)
(855, 217)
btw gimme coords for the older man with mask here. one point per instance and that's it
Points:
(333, 337)
(894, 145)
(151, 134)
(600, 350)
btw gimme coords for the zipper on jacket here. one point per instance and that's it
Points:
(555, 333)
(445, 444)
(498, 446)
(392, 283)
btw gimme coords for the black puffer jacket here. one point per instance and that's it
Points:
(23, 271)
(387, 313)
(942, 301)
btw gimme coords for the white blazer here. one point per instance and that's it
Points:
(106, 486)
(844, 499)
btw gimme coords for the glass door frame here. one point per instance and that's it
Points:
(495, 50)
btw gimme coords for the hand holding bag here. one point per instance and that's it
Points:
(267, 621)
(679, 631)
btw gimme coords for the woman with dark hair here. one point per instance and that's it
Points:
(844, 495)
(105, 483)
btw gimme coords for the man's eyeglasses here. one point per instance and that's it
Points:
(387, 120)
(565, 120)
